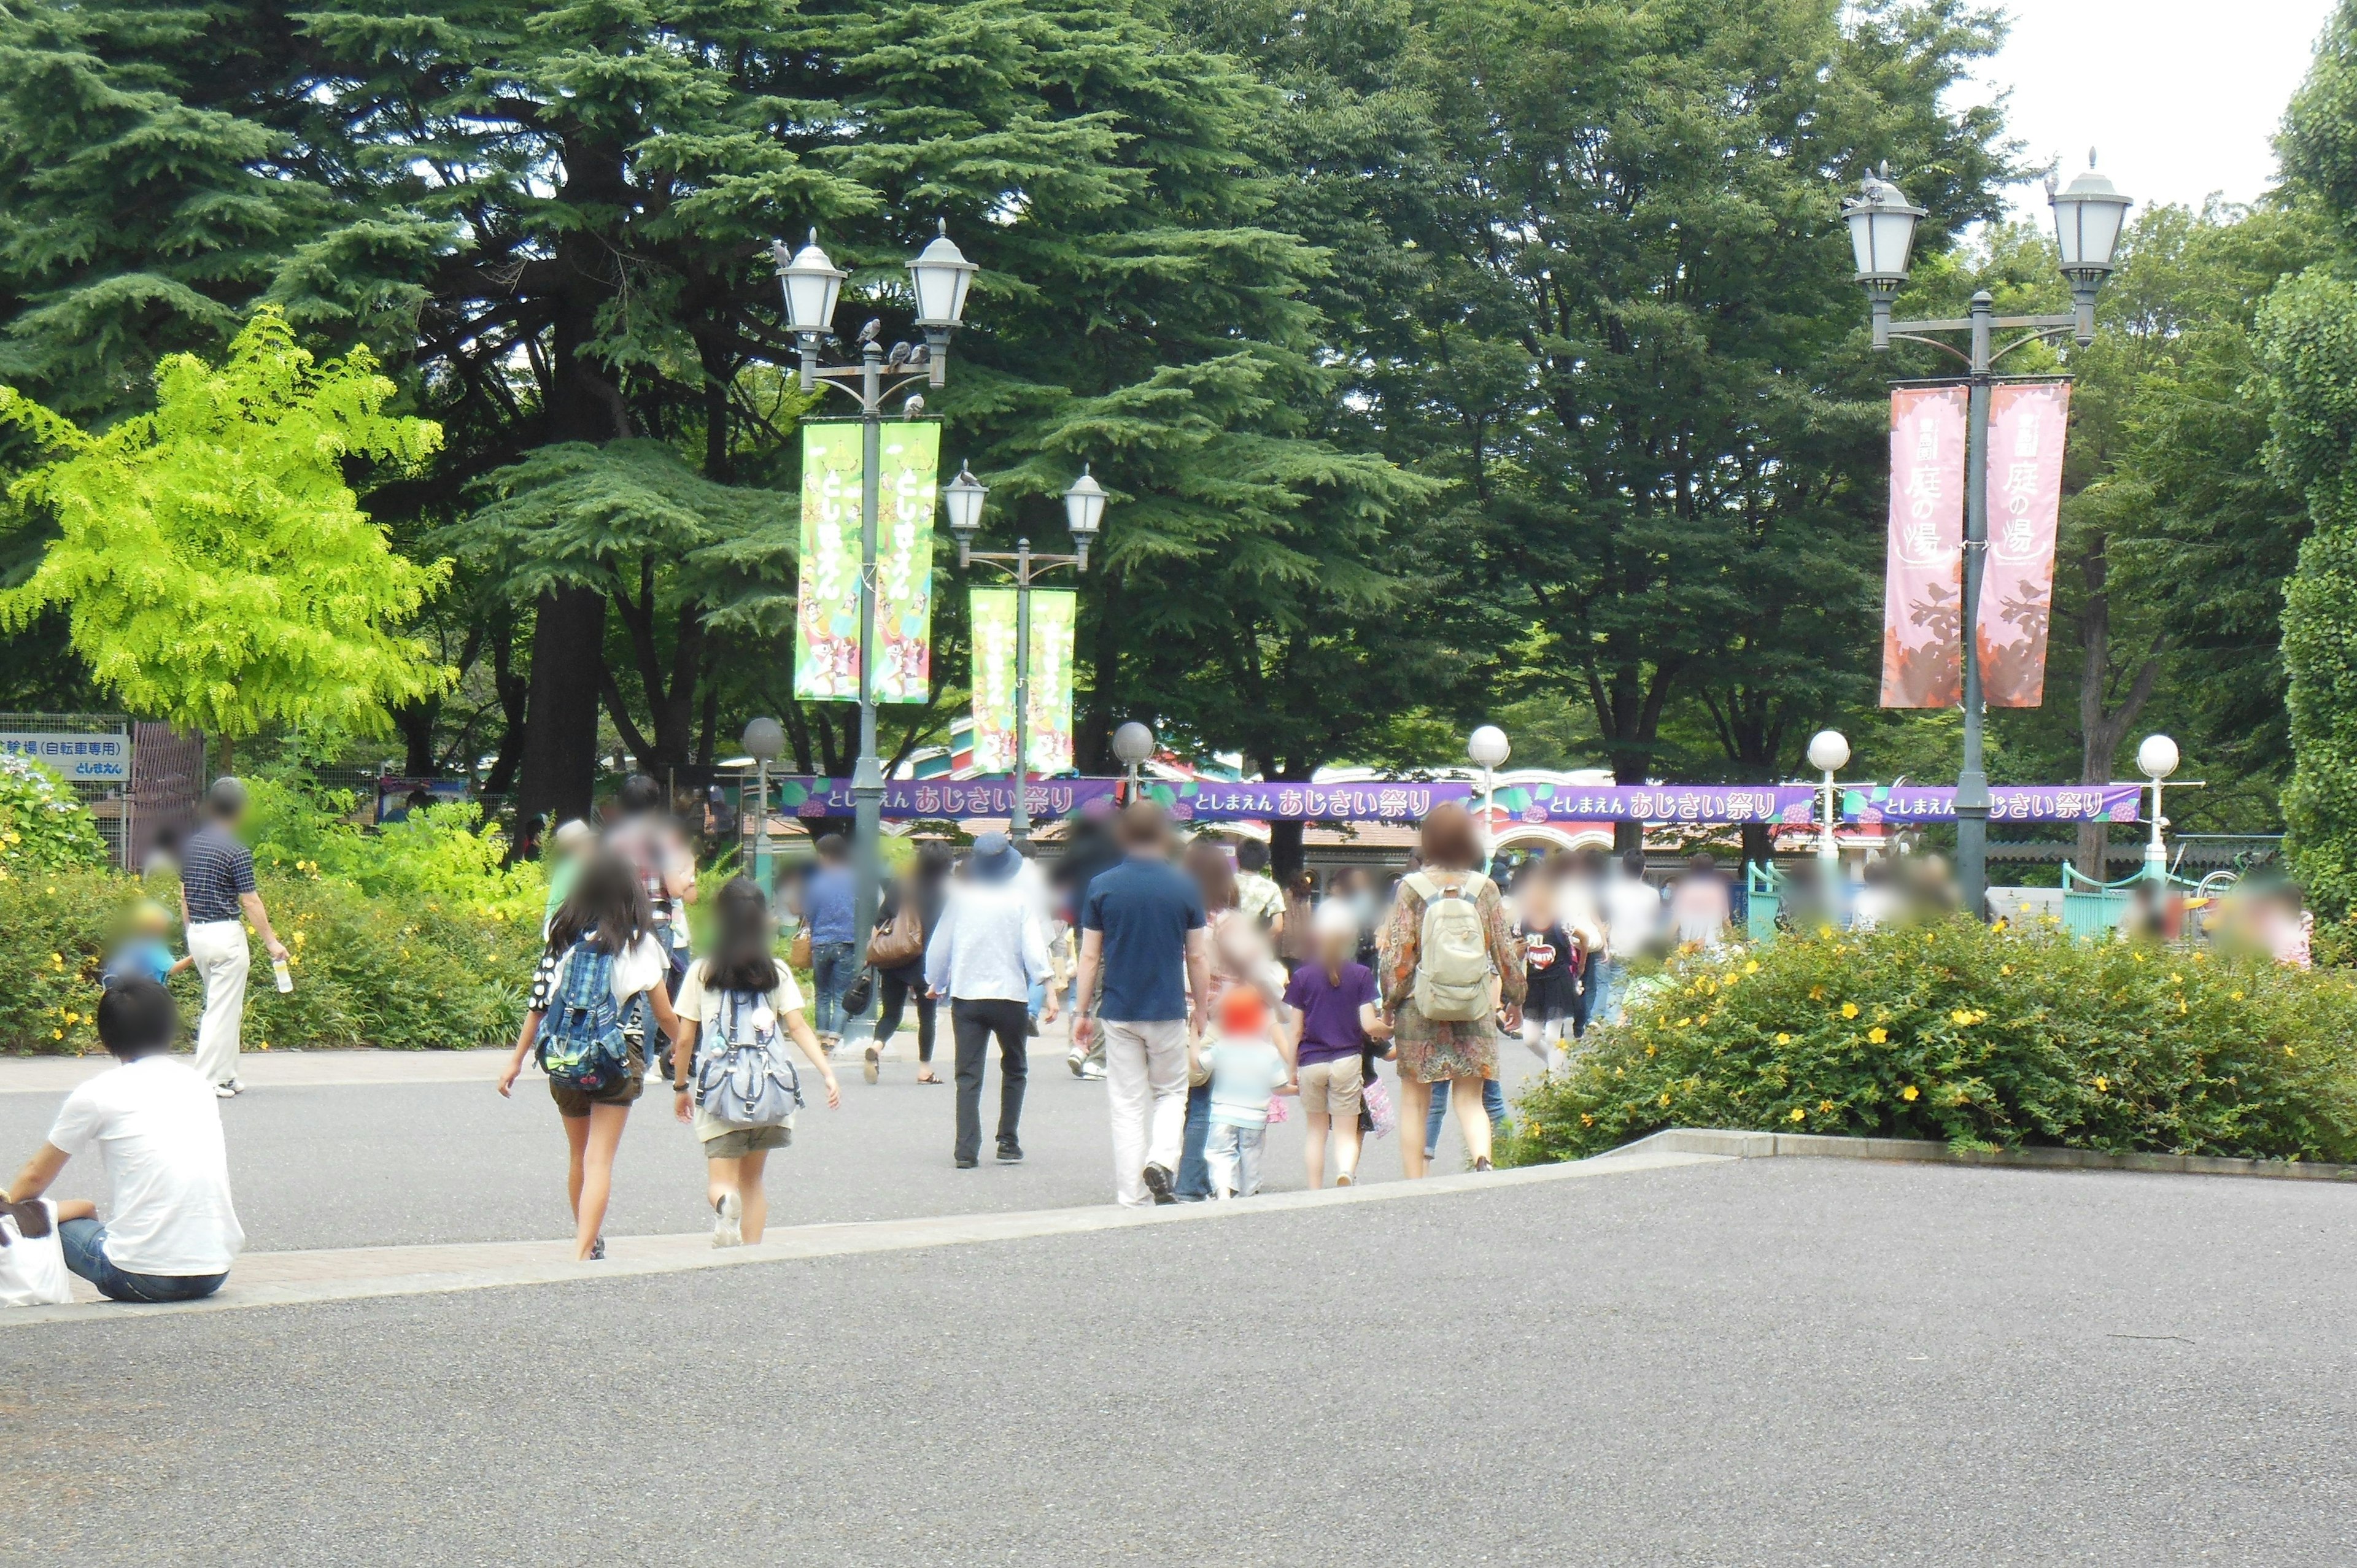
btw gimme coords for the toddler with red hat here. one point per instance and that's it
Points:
(1247, 1069)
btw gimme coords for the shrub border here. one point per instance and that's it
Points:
(1818, 1145)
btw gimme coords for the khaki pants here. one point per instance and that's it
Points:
(223, 956)
(1146, 1086)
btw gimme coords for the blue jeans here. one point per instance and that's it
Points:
(84, 1243)
(831, 971)
(1493, 1100)
(1607, 982)
(1194, 1171)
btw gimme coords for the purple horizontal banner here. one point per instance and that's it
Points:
(1408, 800)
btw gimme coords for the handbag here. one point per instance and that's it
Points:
(901, 942)
(798, 956)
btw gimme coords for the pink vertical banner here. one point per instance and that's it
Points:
(1924, 587)
(2027, 423)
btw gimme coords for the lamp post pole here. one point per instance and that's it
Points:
(1487, 746)
(939, 277)
(2156, 759)
(1084, 516)
(765, 741)
(2087, 218)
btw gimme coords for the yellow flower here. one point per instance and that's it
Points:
(1649, 1049)
(1783, 1039)
(1751, 967)
(2289, 1052)
(2004, 969)
(1908, 1093)
(2238, 995)
(56, 1033)
(1960, 1017)
(1825, 932)
(1849, 1009)
(1665, 1099)
(1585, 1119)
(1817, 994)
(1799, 1114)
(2103, 1084)
(1824, 1107)
(1877, 1035)
(2176, 979)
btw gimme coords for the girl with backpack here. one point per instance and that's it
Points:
(1447, 966)
(728, 1059)
(599, 986)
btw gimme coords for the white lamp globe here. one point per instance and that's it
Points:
(764, 740)
(2156, 758)
(1828, 751)
(1487, 746)
(813, 284)
(1133, 743)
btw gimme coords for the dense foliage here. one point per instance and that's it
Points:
(42, 826)
(1976, 1038)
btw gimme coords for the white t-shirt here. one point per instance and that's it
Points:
(156, 1128)
(695, 1002)
(32, 1268)
(1632, 915)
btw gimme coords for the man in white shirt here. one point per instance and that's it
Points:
(1632, 924)
(989, 950)
(171, 1232)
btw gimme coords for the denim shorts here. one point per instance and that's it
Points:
(84, 1242)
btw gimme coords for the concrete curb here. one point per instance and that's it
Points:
(1766, 1145)
(304, 1278)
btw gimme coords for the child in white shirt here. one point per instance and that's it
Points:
(1247, 1069)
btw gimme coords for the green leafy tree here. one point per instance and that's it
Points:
(213, 560)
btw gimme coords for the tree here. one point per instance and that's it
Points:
(214, 563)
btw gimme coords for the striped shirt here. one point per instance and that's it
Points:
(214, 869)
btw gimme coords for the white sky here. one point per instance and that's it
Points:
(2180, 97)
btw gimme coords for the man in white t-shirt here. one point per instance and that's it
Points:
(1634, 928)
(171, 1232)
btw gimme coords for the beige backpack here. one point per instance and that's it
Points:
(1452, 955)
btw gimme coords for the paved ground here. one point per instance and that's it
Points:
(361, 1149)
(1773, 1361)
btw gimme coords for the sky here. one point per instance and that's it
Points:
(2179, 98)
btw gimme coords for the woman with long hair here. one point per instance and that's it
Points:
(606, 914)
(1460, 1046)
(928, 884)
(741, 978)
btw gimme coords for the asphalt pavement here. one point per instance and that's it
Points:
(1766, 1361)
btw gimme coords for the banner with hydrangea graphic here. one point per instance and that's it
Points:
(2028, 422)
(1923, 606)
(1055, 613)
(826, 620)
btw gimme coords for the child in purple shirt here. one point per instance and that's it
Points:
(1336, 1012)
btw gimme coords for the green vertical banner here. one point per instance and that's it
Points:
(826, 618)
(1054, 612)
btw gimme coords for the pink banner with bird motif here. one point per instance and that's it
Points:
(2027, 423)
(1923, 589)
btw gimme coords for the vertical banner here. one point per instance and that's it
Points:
(1054, 612)
(827, 609)
(826, 615)
(2027, 423)
(1923, 588)
(904, 561)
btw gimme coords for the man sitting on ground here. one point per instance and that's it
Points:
(155, 1126)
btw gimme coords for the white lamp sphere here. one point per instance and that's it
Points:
(764, 740)
(1487, 746)
(1828, 751)
(1133, 743)
(2156, 758)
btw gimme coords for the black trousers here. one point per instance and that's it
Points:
(897, 992)
(971, 1024)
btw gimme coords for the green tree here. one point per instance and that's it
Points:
(213, 560)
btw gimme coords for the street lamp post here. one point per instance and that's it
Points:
(1829, 753)
(1133, 743)
(939, 277)
(2157, 759)
(765, 741)
(2087, 218)
(1488, 748)
(1083, 516)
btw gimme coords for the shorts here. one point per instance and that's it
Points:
(1331, 1087)
(738, 1142)
(573, 1103)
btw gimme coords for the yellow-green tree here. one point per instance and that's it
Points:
(212, 558)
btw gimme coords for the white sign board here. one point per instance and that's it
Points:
(81, 758)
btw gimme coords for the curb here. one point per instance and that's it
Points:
(1770, 1146)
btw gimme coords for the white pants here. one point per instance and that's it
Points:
(1146, 1084)
(1233, 1154)
(222, 959)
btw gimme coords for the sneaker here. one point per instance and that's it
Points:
(1343, 1180)
(597, 1250)
(966, 1161)
(728, 1224)
(1079, 1062)
(1157, 1180)
(224, 1091)
(874, 1063)
(1093, 1073)
(1031, 1027)
(1010, 1153)
(1483, 1164)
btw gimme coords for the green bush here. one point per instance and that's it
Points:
(441, 855)
(1976, 1038)
(42, 825)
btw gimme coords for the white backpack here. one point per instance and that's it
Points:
(1452, 958)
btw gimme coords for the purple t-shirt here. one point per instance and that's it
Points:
(1330, 1013)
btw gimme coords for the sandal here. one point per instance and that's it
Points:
(925, 1075)
(873, 1064)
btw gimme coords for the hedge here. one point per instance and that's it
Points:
(1977, 1037)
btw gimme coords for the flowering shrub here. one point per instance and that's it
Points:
(1976, 1038)
(42, 825)
(442, 856)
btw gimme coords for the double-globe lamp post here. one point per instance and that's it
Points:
(938, 276)
(1084, 506)
(2087, 218)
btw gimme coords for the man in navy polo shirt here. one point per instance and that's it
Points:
(217, 898)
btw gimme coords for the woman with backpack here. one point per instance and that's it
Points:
(728, 1059)
(600, 983)
(1448, 965)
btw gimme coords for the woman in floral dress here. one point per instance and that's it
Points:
(1463, 1052)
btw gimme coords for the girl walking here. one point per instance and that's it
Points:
(738, 1000)
(596, 1051)
(1332, 998)
(1552, 960)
